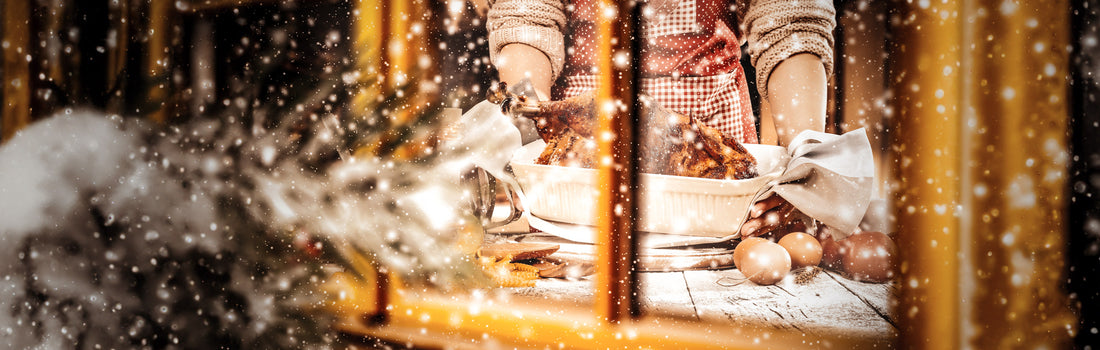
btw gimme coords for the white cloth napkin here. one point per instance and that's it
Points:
(489, 139)
(829, 178)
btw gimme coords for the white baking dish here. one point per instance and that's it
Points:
(669, 204)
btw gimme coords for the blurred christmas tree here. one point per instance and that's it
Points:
(213, 230)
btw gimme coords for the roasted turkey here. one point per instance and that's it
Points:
(671, 143)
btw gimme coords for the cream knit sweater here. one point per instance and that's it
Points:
(776, 30)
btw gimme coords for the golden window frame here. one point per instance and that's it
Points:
(942, 146)
(973, 106)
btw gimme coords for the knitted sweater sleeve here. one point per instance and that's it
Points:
(537, 23)
(778, 29)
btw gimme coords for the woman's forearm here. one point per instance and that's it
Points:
(518, 61)
(797, 98)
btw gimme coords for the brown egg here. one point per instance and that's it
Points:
(804, 249)
(765, 263)
(831, 251)
(869, 256)
(739, 252)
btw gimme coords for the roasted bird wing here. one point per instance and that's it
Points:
(671, 143)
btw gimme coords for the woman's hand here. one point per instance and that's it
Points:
(768, 215)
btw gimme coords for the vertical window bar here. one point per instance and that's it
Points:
(16, 71)
(1016, 158)
(370, 35)
(120, 17)
(370, 32)
(617, 105)
(928, 137)
(982, 119)
(157, 59)
(395, 46)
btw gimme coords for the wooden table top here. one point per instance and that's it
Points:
(820, 303)
(811, 302)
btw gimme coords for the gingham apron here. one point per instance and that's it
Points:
(718, 100)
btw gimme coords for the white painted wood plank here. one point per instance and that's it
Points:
(557, 290)
(665, 293)
(879, 296)
(824, 304)
(820, 306)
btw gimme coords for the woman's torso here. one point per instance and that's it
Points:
(681, 38)
(690, 61)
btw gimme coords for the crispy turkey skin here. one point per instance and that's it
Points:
(671, 143)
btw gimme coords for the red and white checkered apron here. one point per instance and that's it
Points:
(719, 101)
